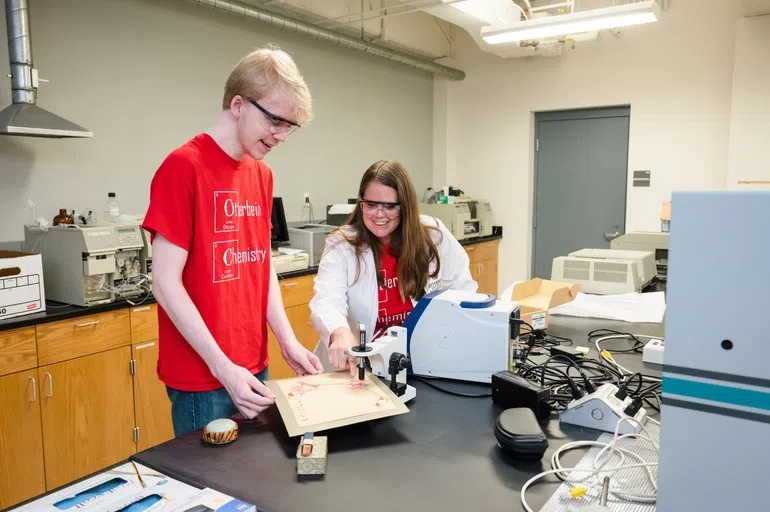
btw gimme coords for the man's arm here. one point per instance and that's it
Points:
(301, 360)
(168, 264)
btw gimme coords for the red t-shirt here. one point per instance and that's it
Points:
(391, 309)
(219, 211)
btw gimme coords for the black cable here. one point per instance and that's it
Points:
(449, 391)
(637, 347)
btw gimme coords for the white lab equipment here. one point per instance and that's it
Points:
(715, 419)
(606, 271)
(78, 261)
(461, 335)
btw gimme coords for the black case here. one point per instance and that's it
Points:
(519, 434)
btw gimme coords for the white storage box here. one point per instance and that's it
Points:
(21, 284)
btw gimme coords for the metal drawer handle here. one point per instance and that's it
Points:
(288, 285)
(34, 389)
(470, 248)
(87, 323)
(50, 385)
(145, 308)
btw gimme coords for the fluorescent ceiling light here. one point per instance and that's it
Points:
(636, 13)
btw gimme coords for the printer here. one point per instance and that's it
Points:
(464, 218)
(310, 238)
(606, 271)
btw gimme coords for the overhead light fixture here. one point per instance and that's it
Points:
(636, 13)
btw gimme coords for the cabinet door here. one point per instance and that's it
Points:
(88, 415)
(487, 276)
(153, 408)
(21, 439)
(299, 318)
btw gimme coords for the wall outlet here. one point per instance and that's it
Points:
(306, 197)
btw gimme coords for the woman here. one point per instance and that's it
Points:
(379, 264)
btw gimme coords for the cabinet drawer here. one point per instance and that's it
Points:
(68, 339)
(482, 251)
(297, 290)
(144, 323)
(18, 351)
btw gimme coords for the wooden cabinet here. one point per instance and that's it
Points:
(22, 475)
(296, 294)
(151, 402)
(18, 350)
(484, 265)
(87, 414)
(76, 337)
(144, 323)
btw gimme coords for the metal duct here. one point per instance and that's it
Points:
(246, 11)
(23, 117)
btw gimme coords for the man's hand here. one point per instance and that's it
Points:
(339, 342)
(301, 360)
(249, 395)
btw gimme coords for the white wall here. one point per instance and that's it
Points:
(146, 75)
(675, 75)
(750, 114)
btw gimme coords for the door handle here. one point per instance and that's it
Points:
(50, 385)
(611, 236)
(34, 389)
(94, 322)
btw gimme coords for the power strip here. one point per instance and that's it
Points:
(653, 352)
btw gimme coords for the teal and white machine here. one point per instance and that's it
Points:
(715, 419)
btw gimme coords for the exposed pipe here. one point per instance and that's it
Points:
(378, 9)
(283, 23)
(415, 7)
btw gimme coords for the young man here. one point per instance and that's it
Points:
(209, 217)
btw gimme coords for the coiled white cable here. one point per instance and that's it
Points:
(600, 467)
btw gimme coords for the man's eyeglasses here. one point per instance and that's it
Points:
(276, 124)
(372, 206)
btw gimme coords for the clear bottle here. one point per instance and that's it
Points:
(111, 208)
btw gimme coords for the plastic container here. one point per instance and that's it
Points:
(111, 208)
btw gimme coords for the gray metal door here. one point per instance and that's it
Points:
(581, 169)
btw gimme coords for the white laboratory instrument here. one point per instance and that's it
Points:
(387, 356)
(461, 335)
(606, 271)
(464, 218)
(652, 241)
(601, 410)
(78, 261)
(145, 256)
(127, 280)
(715, 419)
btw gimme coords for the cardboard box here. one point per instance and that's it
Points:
(21, 284)
(537, 296)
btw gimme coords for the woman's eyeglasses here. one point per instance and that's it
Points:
(372, 206)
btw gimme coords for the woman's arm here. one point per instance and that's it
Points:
(329, 305)
(455, 264)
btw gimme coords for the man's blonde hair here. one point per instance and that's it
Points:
(266, 68)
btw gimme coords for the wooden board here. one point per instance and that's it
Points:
(321, 402)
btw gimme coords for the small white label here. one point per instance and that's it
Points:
(98, 233)
(538, 320)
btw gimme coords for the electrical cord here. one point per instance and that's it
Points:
(426, 381)
(601, 465)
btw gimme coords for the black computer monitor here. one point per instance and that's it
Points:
(279, 235)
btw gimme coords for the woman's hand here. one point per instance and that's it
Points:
(340, 341)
